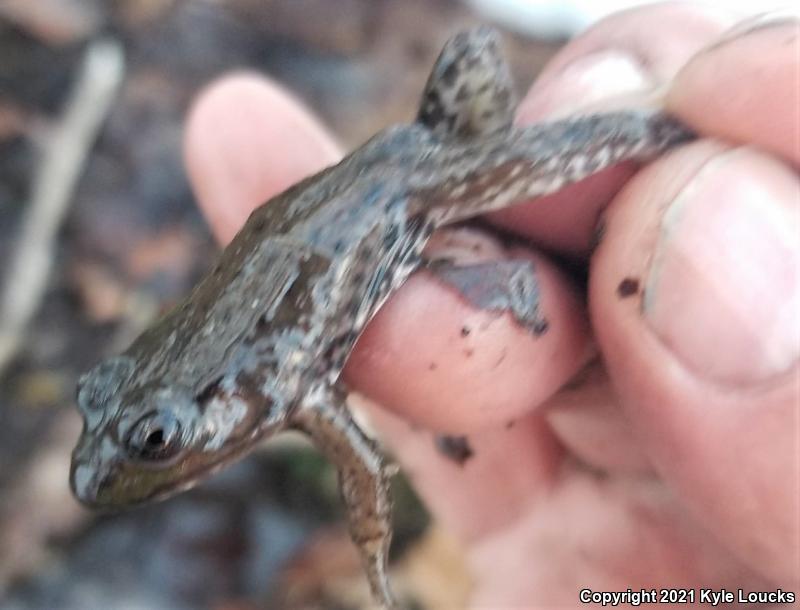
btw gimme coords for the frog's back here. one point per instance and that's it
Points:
(311, 265)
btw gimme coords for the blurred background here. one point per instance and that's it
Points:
(99, 233)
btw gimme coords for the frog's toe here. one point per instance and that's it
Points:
(503, 286)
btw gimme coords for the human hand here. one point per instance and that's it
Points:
(669, 461)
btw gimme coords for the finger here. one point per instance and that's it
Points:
(746, 87)
(620, 62)
(586, 418)
(694, 297)
(598, 534)
(435, 361)
(246, 140)
(432, 357)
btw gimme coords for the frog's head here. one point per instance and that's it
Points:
(146, 439)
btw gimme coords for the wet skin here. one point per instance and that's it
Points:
(259, 345)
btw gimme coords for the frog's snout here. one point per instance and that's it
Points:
(86, 476)
(83, 483)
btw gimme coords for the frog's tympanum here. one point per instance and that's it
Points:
(259, 345)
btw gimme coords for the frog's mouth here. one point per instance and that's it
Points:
(108, 482)
(101, 477)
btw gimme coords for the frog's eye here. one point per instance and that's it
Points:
(155, 437)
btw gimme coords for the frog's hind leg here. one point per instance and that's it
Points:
(502, 286)
(363, 480)
(469, 92)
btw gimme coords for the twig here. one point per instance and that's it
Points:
(53, 185)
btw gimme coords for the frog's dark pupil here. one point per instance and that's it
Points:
(155, 438)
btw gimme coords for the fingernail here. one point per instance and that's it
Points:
(777, 18)
(583, 82)
(722, 291)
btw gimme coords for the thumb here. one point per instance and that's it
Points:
(694, 296)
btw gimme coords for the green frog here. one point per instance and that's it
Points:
(259, 344)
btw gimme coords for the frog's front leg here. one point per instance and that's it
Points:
(363, 479)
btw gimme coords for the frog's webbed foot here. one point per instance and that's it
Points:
(470, 91)
(363, 480)
(504, 285)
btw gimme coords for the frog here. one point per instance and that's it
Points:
(258, 346)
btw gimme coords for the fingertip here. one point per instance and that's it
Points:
(623, 61)
(628, 55)
(745, 88)
(247, 139)
(693, 297)
(431, 357)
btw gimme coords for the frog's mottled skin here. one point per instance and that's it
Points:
(259, 344)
